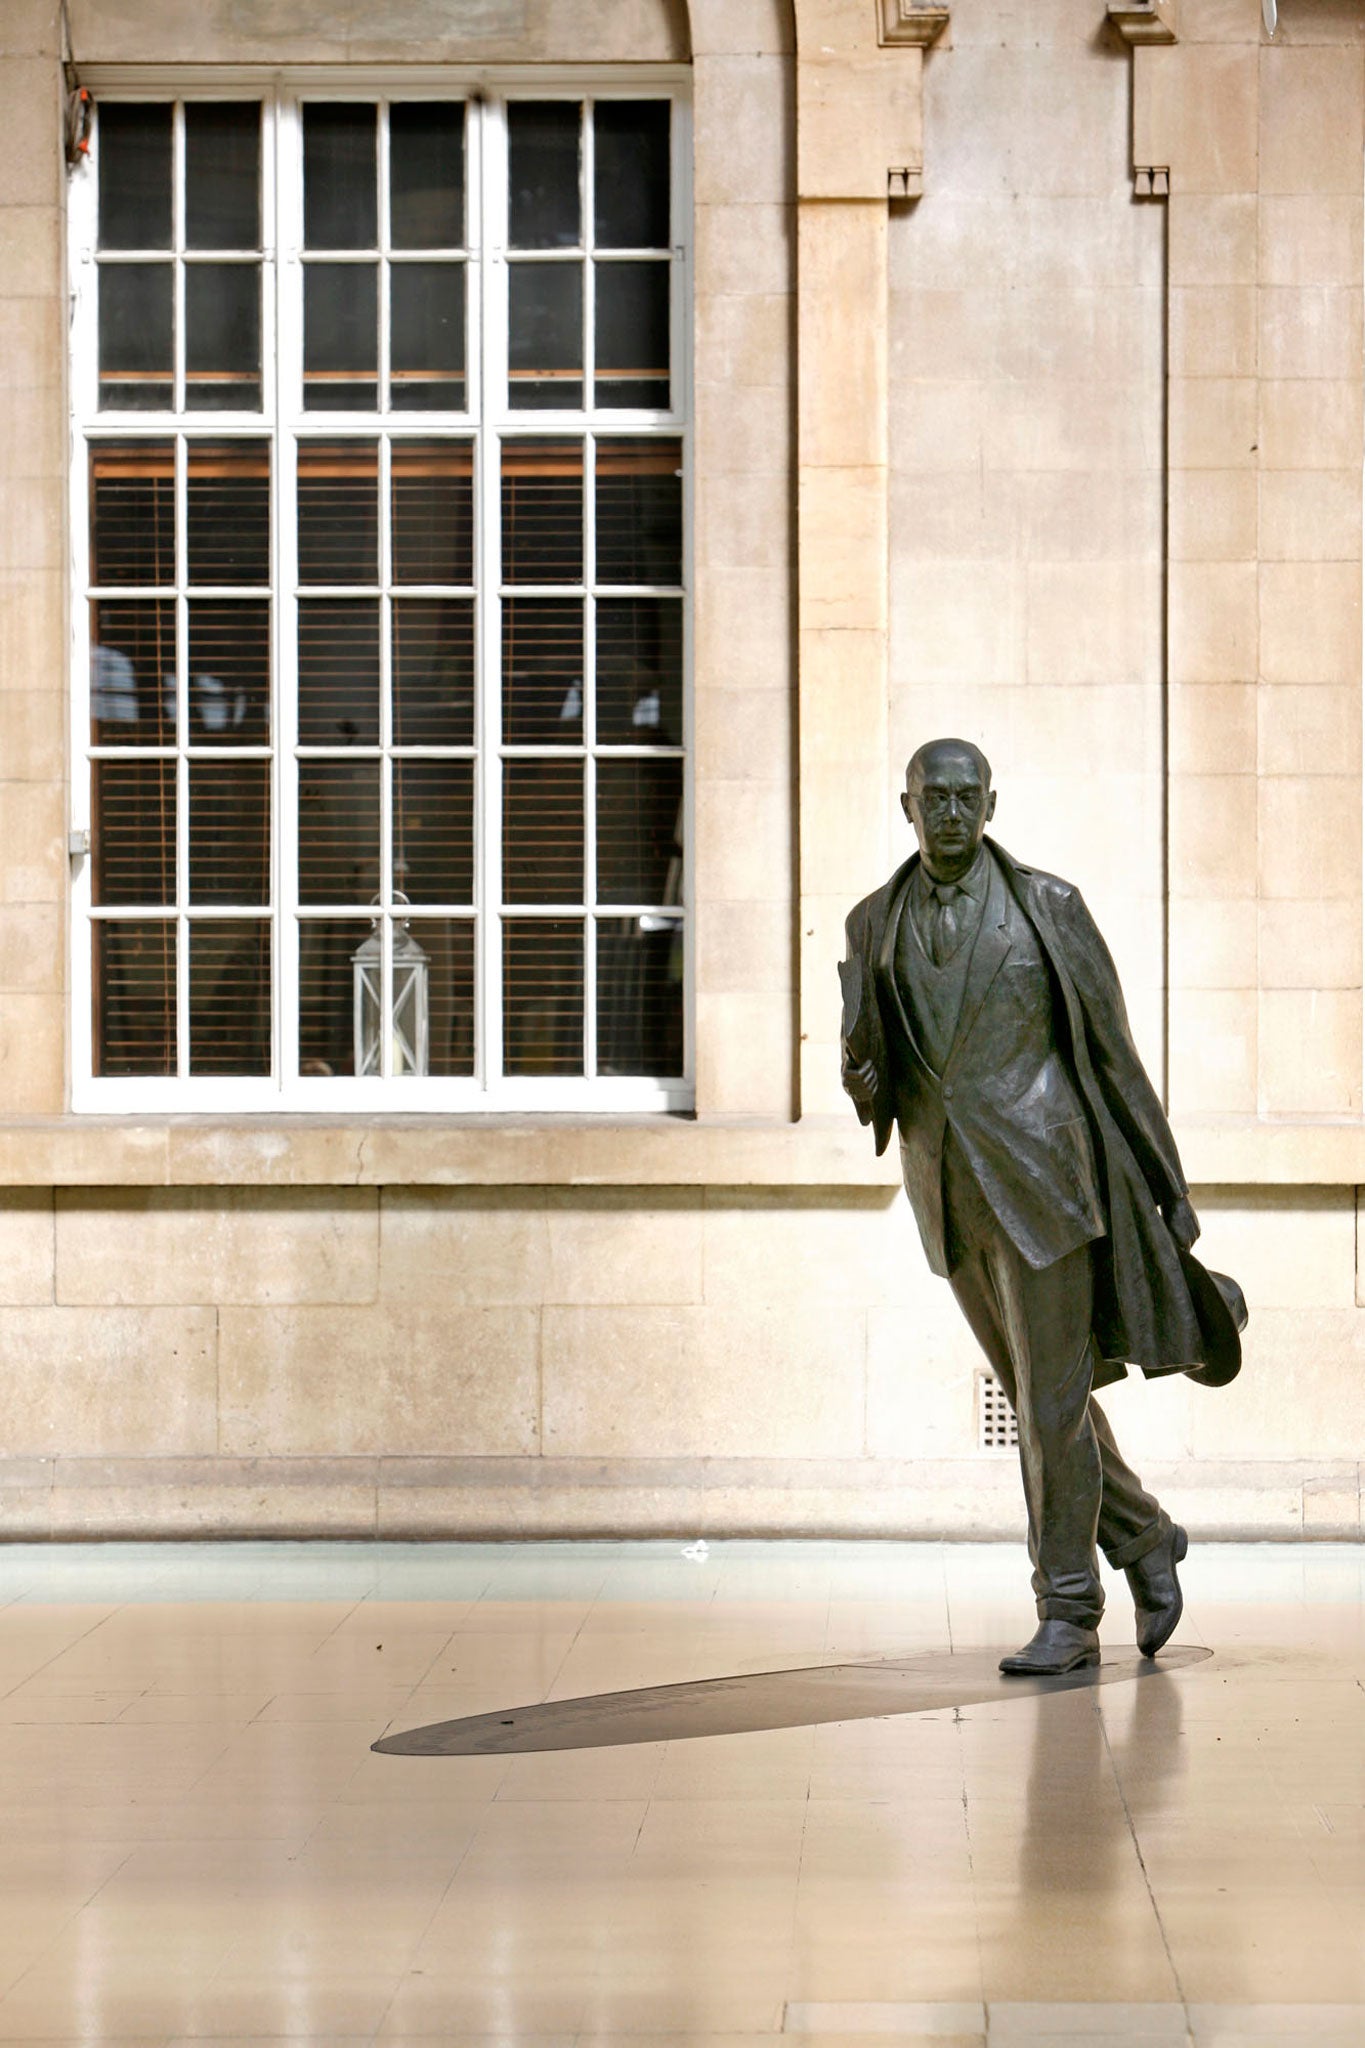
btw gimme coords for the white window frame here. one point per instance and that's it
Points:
(282, 93)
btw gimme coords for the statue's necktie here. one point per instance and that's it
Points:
(944, 932)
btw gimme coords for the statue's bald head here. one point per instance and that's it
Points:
(949, 801)
(927, 759)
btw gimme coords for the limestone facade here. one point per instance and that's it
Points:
(1028, 374)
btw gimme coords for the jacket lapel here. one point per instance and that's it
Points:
(886, 956)
(993, 943)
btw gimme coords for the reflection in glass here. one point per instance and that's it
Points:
(542, 511)
(133, 831)
(631, 174)
(135, 176)
(433, 511)
(136, 320)
(543, 174)
(542, 831)
(132, 673)
(340, 177)
(426, 336)
(230, 996)
(545, 336)
(228, 512)
(449, 946)
(433, 830)
(340, 337)
(229, 831)
(222, 174)
(132, 512)
(542, 996)
(542, 671)
(639, 671)
(426, 175)
(639, 831)
(433, 672)
(134, 996)
(223, 337)
(338, 831)
(338, 491)
(632, 339)
(639, 512)
(327, 949)
(338, 672)
(640, 996)
(229, 689)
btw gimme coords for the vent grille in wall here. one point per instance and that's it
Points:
(996, 1428)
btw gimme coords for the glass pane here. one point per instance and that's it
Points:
(230, 996)
(339, 672)
(338, 512)
(426, 175)
(542, 996)
(639, 831)
(433, 672)
(542, 671)
(340, 177)
(134, 997)
(137, 359)
(433, 831)
(229, 831)
(132, 674)
(222, 175)
(327, 1007)
(639, 671)
(639, 512)
(542, 511)
(449, 946)
(426, 336)
(135, 176)
(632, 335)
(545, 336)
(639, 996)
(228, 512)
(229, 702)
(340, 337)
(433, 511)
(223, 337)
(630, 158)
(132, 512)
(544, 174)
(542, 832)
(338, 831)
(133, 831)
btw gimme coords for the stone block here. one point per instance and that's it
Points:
(1214, 515)
(1308, 240)
(1310, 837)
(858, 113)
(747, 339)
(31, 524)
(34, 631)
(1093, 622)
(960, 623)
(744, 629)
(937, 424)
(1310, 331)
(1213, 1051)
(26, 1246)
(841, 416)
(31, 250)
(30, 131)
(745, 1046)
(1311, 122)
(741, 133)
(33, 833)
(1310, 515)
(30, 28)
(1075, 516)
(1308, 423)
(722, 28)
(1213, 422)
(1310, 1052)
(1068, 423)
(623, 1246)
(105, 1382)
(740, 735)
(843, 693)
(1289, 1247)
(31, 955)
(739, 866)
(1309, 945)
(1203, 113)
(33, 735)
(217, 1245)
(921, 1378)
(744, 948)
(463, 1247)
(1331, 1508)
(745, 521)
(843, 548)
(32, 1054)
(847, 1246)
(1213, 237)
(744, 246)
(1213, 945)
(1213, 729)
(744, 435)
(1307, 728)
(1213, 331)
(1310, 622)
(1212, 621)
(1301, 1386)
(989, 107)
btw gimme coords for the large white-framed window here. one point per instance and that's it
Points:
(380, 538)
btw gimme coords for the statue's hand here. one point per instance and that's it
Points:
(1182, 1222)
(861, 1082)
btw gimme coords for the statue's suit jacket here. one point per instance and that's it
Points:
(1047, 1099)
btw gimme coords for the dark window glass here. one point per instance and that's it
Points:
(132, 673)
(132, 512)
(640, 996)
(340, 337)
(338, 490)
(338, 831)
(544, 174)
(632, 335)
(426, 337)
(136, 326)
(229, 697)
(545, 336)
(433, 830)
(340, 177)
(228, 512)
(542, 832)
(222, 175)
(223, 337)
(631, 174)
(639, 512)
(449, 946)
(135, 176)
(230, 996)
(134, 997)
(339, 672)
(433, 672)
(433, 511)
(134, 832)
(542, 511)
(542, 671)
(229, 831)
(639, 828)
(426, 175)
(639, 671)
(542, 996)
(327, 950)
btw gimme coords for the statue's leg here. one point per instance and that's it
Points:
(1132, 1521)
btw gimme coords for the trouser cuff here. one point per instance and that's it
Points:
(1085, 1613)
(1124, 1554)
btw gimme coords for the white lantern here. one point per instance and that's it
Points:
(409, 1011)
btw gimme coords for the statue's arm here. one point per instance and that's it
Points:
(861, 1047)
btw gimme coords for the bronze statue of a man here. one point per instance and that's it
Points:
(983, 1016)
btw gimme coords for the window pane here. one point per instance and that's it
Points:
(632, 335)
(639, 671)
(230, 996)
(545, 336)
(433, 672)
(631, 174)
(135, 176)
(433, 511)
(639, 831)
(132, 674)
(426, 336)
(433, 831)
(542, 832)
(223, 337)
(134, 997)
(228, 508)
(132, 512)
(327, 952)
(542, 511)
(542, 671)
(449, 946)
(338, 512)
(339, 672)
(426, 175)
(640, 996)
(542, 994)
(340, 337)
(137, 361)
(222, 175)
(340, 177)
(229, 701)
(134, 831)
(338, 831)
(229, 831)
(639, 512)
(544, 174)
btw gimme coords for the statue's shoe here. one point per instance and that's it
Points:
(1057, 1646)
(1157, 1599)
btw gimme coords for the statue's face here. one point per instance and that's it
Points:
(949, 806)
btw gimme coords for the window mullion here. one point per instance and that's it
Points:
(288, 351)
(492, 121)
(590, 761)
(387, 881)
(182, 764)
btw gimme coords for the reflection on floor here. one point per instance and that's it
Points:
(197, 1844)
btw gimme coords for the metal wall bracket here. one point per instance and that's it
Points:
(1144, 21)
